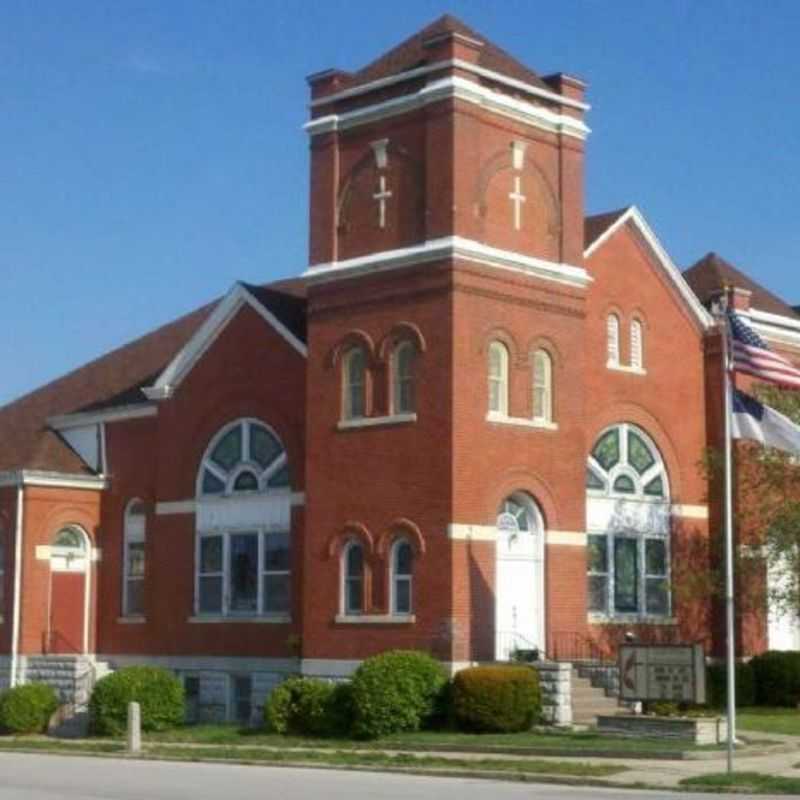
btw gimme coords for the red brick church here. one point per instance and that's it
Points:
(472, 425)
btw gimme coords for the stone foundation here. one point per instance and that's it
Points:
(555, 680)
(697, 730)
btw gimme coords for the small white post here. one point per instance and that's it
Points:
(134, 728)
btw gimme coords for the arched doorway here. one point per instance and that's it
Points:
(70, 557)
(519, 579)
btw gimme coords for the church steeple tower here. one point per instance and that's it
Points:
(446, 138)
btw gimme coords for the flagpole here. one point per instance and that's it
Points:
(730, 654)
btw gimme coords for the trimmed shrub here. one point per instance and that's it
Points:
(717, 685)
(497, 699)
(777, 678)
(308, 707)
(27, 708)
(395, 691)
(158, 692)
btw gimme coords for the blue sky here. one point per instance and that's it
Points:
(152, 152)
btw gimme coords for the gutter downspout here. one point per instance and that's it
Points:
(17, 586)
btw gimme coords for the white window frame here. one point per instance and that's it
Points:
(400, 380)
(349, 386)
(498, 379)
(133, 533)
(637, 344)
(225, 573)
(345, 579)
(542, 386)
(609, 477)
(612, 340)
(396, 577)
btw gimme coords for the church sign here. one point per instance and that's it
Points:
(672, 673)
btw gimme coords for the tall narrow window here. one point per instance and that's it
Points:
(637, 345)
(403, 401)
(354, 384)
(542, 386)
(402, 563)
(353, 575)
(498, 379)
(134, 560)
(612, 334)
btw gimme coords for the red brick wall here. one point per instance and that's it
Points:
(8, 522)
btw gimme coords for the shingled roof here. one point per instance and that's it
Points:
(116, 379)
(597, 224)
(711, 274)
(412, 53)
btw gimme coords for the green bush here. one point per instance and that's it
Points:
(497, 699)
(308, 707)
(27, 708)
(717, 685)
(158, 692)
(777, 678)
(395, 691)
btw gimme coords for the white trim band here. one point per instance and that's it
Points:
(690, 512)
(167, 507)
(454, 87)
(568, 538)
(450, 63)
(375, 619)
(372, 422)
(449, 247)
(59, 480)
(522, 422)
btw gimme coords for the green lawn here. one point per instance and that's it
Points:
(511, 742)
(769, 720)
(753, 782)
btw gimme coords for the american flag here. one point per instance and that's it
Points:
(752, 356)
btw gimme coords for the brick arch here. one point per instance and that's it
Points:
(638, 415)
(353, 338)
(549, 346)
(64, 516)
(401, 528)
(527, 482)
(351, 530)
(401, 331)
(500, 334)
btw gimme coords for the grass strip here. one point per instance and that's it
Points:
(580, 743)
(769, 720)
(753, 782)
(345, 758)
(331, 758)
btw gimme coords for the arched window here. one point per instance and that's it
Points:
(353, 579)
(637, 345)
(498, 379)
(403, 358)
(243, 542)
(612, 340)
(244, 457)
(133, 559)
(628, 508)
(354, 383)
(402, 577)
(542, 386)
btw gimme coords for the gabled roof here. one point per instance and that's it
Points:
(595, 226)
(412, 53)
(604, 226)
(113, 380)
(711, 274)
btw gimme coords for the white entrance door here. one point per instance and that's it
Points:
(519, 602)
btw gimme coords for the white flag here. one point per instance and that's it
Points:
(754, 420)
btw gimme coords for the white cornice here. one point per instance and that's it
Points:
(635, 216)
(450, 87)
(451, 63)
(449, 247)
(60, 480)
(115, 414)
(206, 335)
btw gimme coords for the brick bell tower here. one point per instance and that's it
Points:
(446, 201)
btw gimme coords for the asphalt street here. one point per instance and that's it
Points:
(49, 777)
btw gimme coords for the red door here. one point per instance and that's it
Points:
(66, 612)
